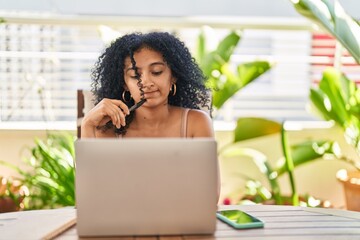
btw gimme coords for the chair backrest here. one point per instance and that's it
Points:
(85, 102)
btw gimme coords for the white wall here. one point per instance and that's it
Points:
(263, 8)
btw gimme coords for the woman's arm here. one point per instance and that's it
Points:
(200, 125)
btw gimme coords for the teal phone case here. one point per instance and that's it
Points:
(257, 224)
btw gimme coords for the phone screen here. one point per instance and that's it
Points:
(238, 216)
(239, 219)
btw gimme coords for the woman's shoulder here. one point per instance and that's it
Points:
(193, 114)
(197, 114)
(199, 123)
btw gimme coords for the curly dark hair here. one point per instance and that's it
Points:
(108, 73)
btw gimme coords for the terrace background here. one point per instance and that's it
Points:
(47, 49)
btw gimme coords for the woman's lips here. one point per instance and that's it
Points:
(150, 94)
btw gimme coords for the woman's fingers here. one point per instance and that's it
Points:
(121, 105)
(119, 110)
(118, 117)
(116, 110)
(104, 121)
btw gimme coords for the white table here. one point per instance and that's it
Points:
(281, 222)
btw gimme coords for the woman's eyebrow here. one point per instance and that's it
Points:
(157, 63)
(151, 64)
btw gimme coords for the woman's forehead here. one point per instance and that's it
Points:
(145, 57)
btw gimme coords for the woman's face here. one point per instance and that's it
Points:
(156, 77)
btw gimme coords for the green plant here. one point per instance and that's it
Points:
(12, 193)
(337, 98)
(331, 16)
(225, 83)
(216, 66)
(52, 176)
(294, 156)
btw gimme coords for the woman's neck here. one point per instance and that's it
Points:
(152, 117)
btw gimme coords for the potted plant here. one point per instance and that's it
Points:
(224, 84)
(337, 98)
(51, 180)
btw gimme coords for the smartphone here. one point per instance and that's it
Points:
(239, 219)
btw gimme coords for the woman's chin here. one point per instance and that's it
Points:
(155, 102)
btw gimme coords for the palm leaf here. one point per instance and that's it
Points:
(246, 73)
(335, 20)
(248, 128)
(201, 47)
(227, 46)
(306, 152)
(337, 97)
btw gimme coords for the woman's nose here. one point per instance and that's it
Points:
(146, 82)
(148, 85)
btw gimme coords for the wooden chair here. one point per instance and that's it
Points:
(85, 102)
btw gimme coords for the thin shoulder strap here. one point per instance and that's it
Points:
(184, 116)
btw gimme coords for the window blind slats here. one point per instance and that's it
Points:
(42, 66)
(281, 93)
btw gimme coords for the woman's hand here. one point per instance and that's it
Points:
(106, 110)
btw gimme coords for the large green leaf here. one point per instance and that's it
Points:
(260, 161)
(317, 98)
(248, 128)
(247, 72)
(306, 152)
(336, 98)
(216, 67)
(212, 61)
(227, 46)
(335, 20)
(200, 48)
(354, 103)
(331, 85)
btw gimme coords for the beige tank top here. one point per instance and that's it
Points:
(183, 129)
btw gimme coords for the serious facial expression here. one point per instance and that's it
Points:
(156, 77)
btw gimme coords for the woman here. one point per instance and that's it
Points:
(158, 69)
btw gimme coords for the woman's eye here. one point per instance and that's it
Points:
(157, 73)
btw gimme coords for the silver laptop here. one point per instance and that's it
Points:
(146, 186)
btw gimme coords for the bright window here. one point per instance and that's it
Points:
(42, 66)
